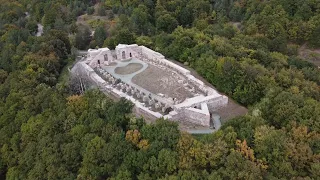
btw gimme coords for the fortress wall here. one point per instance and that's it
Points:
(159, 58)
(195, 80)
(82, 68)
(217, 103)
(150, 54)
(137, 51)
(178, 68)
(98, 54)
(127, 49)
(93, 52)
(98, 80)
(190, 115)
(214, 102)
(193, 116)
(140, 111)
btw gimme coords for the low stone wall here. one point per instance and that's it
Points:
(160, 59)
(150, 54)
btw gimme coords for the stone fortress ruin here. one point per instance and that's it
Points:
(157, 87)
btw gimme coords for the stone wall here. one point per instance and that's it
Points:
(104, 55)
(214, 102)
(141, 112)
(160, 59)
(191, 115)
(197, 117)
(217, 103)
(124, 51)
(150, 54)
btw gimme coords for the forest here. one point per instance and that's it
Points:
(247, 49)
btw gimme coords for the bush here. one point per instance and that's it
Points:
(90, 10)
(101, 11)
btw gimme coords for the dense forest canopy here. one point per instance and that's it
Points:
(248, 49)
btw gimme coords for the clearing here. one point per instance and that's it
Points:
(310, 55)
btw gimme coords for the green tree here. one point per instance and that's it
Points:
(100, 35)
(93, 164)
(124, 36)
(237, 167)
(314, 40)
(145, 41)
(49, 17)
(82, 38)
(166, 23)
(140, 20)
(32, 27)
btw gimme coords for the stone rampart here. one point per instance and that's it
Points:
(96, 56)
(193, 115)
(125, 51)
(214, 102)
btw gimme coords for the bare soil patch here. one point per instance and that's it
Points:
(237, 25)
(129, 69)
(232, 110)
(310, 55)
(157, 80)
